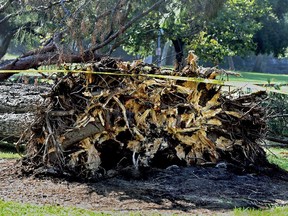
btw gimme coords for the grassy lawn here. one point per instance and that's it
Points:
(259, 78)
(8, 56)
(8, 151)
(9, 155)
(278, 156)
(277, 211)
(18, 209)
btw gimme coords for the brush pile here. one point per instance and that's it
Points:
(91, 124)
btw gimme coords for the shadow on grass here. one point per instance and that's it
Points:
(10, 147)
(9, 151)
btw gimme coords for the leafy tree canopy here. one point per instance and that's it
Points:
(180, 21)
(272, 38)
(232, 31)
(84, 25)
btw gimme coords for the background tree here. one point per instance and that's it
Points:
(180, 21)
(242, 27)
(231, 32)
(272, 37)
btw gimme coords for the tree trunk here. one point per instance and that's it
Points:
(4, 43)
(13, 125)
(165, 53)
(258, 66)
(17, 104)
(179, 50)
(231, 63)
(47, 55)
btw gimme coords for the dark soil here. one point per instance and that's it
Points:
(173, 190)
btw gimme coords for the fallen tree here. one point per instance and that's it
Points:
(18, 102)
(90, 124)
(55, 51)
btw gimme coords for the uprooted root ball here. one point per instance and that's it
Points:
(93, 123)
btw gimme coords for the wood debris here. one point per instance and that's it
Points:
(92, 123)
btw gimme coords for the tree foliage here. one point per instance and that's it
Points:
(180, 21)
(243, 26)
(80, 25)
(72, 31)
(272, 38)
(232, 32)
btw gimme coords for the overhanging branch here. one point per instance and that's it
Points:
(125, 27)
(5, 5)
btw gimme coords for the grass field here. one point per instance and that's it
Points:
(19, 209)
(260, 78)
(278, 156)
(8, 151)
(9, 155)
(277, 211)
(8, 56)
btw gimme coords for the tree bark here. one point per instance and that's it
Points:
(13, 125)
(17, 104)
(231, 63)
(258, 66)
(165, 53)
(79, 134)
(179, 50)
(36, 60)
(278, 140)
(4, 44)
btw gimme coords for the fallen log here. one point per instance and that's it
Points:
(120, 121)
(20, 98)
(18, 102)
(13, 125)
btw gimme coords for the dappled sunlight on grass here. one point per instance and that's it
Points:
(8, 56)
(259, 78)
(278, 156)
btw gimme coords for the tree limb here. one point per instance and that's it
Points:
(278, 116)
(36, 9)
(51, 55)
(274, 139)
(5, 5)
(124, 28)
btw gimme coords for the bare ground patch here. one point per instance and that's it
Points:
(174, 190)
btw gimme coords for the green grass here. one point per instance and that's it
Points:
(9, 155)
(260, 78)
(8, 56)
(8, 151)
(278, 156)
(15, 209)
(19, 209)
(277, 211)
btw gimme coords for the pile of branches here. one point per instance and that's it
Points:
(91, 124)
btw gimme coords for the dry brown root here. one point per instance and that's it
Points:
(95, 123)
